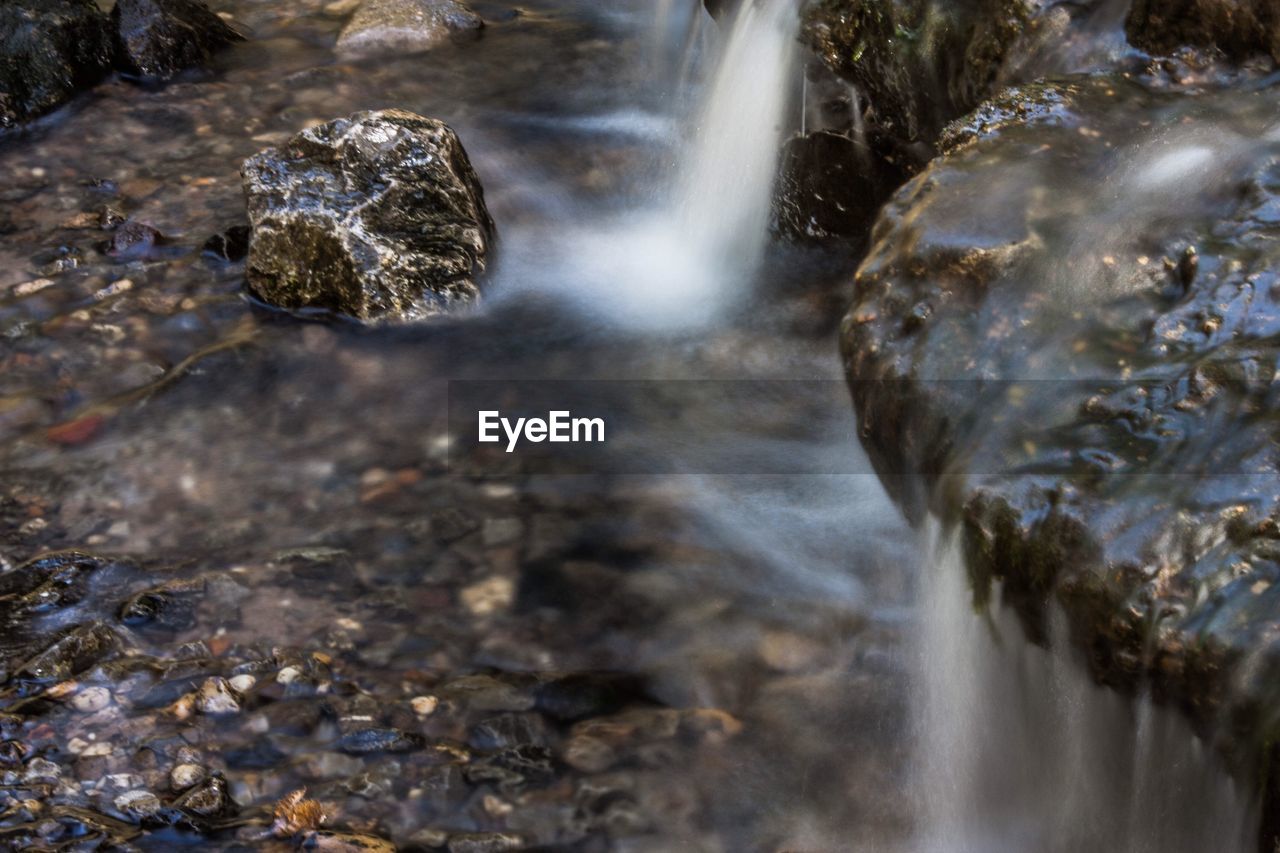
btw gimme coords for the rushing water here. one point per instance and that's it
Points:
(1017, 749)
(301, 472)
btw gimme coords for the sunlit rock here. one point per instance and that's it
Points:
(376, 216)
(406, 25)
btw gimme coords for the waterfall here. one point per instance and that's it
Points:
(1019, 750)
(725, 185)
(690, 256)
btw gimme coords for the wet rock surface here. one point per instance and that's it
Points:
(406, 25)
(49, 51)
(160, 38)
(1089, 401)
(378, 216)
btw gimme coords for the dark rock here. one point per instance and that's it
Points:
(74, 652)
(1104, 441)
(1239, 28)
(49, 51)
(365, 741)
(576, 696)
(513, 769)
(231, 245)
(132, 240)
(406, 25)
(159, 38)
(208, 800)
(508, 730)
(375, 216)
(830, 186)
(169, 608)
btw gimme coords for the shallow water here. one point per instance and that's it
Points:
(304, 474)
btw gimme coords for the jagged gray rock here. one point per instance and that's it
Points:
(376, 216)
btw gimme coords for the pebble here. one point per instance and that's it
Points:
(288, 675)
(185, 776)
(242, 683)
(138, 804)
(41, 770)
(91, 699)
(489, 596)
(215, 698)
(424, 706)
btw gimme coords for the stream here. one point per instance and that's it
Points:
(719, 635)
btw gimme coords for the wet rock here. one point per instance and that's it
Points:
(138, 804)
(509, 730)
(159, 38)
(830, 186)
(513, 769)
(365, 741)
(377, 216)
(486, 693)
(76, 651)
(405, 25)
(1095, 420)
(91, 699)
(325, 841)
(185, 776)
(231, 246)
(132, 240)
(49, 51)
(216, 698)
(208, 799)
(1237, 28)
(575, 696)
(169, 608)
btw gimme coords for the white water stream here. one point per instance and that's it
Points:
(1018, 750)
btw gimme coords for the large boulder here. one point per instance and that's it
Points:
(376, 216)
(49, 51)
(406, 25)
(160, 38)
(1065, 342)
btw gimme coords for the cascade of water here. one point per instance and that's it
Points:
(1019, 750)
(687, 259)
(724, 191)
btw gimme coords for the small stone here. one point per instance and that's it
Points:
(185, 776)
(424, 706)
(91, 699)
(216, 698)
(288, 675)
(242, 683)
(40, 770)
(138, 804)
(484, 842)
(405, 25)
(489, 596)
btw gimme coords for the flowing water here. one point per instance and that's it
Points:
(830, 693)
